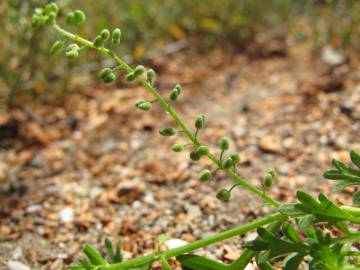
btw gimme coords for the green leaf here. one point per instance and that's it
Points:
(355, 158)
(337, 175)
(165, 264)
(342, 167)
(290, 232)
(343, 184)
(93, 255)
(196, 262)
(292, 210)
(328, 208)
(293, 261)
(307, 200)
(356, 198)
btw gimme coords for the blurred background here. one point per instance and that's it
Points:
(149, 29)
(78, 161)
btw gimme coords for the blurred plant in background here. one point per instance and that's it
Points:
(231, 25)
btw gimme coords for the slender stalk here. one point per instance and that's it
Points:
(169, 109)
(195, 245)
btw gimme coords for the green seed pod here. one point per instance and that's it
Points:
(70, 19)
(235, 158)
(98, 42)
(139, 70)
(178, 87)
(116, 37)
(224, 144)
(200, 122)
(105, 34)
(228, 163)
(104, 72)
(51, 8)
(150, 75)
(109, 78)
(72, 47)
(223, 195)
(205, 175)
(202, 150)
(179, 147)
(143, 105)
(194, 155)
(56, 47)
(168, 131)
(50, 19)
(79, 17)
(268, 181)
(174, 94)
(72, 54)
(130, 77)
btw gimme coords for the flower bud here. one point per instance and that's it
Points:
(200, 122)
(223, 195)
(150, 75)
(179, 147)
(168, 131)
(235, 158)
(228, 163)
(70, 19)
(52, 7)
(178, 87)
(268, 180)
(98, 42)
(116, 36)
(105, 34)
(56, 47)
(224, 144)
(79, 17)
(202, 150)
(174, 94)
(130, 77)
(194, 155)
(205, 175)
(139, 70)
(143, 105)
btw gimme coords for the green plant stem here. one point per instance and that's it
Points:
(169, 109)
(194, 245)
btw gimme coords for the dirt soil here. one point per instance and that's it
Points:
(89, 165)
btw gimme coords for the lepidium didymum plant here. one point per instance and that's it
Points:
(313, 232)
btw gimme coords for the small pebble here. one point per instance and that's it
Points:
(66, 215)
(15, 265)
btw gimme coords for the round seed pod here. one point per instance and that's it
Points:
(50, 19)
(268, 181)
(104, 72)
(70, 19)
(179, 147)
(205, 175)
(109, 78)
(105, 34)
(52, 7)
(139, 70)
(56, 47)
(228, 163)
(223, 195)
(72, 54)
(235, 158)
(72, 47)
(150, 75)
(116, 36)
(144, 105)
(200, 122)
(224, 144)
(194, 155)
(98, 42)
(202, 150)
(179, 88)
(130, 77)
(174, 94)
(168, 131)
(79, 16)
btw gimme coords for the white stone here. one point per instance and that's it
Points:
(332, 57)
(175, 243)
(15, 265)
(66, 215)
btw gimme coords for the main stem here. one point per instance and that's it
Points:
(195, 245)
(123, 65)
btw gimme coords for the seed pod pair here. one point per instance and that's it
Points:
(200, 122)
(223, 195)
(101, 38)
(38, 19)
(205, 175)
(51, 8)
(139, 70)
(116, 37)
(72, 51)
(227, 163)
(150, 75)
(75, 18)
(56, 47)
(143, 105)
(179, 147)
(107, 75)
(269, 178)
(167, 132)
(224, 144)
(175, 92)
